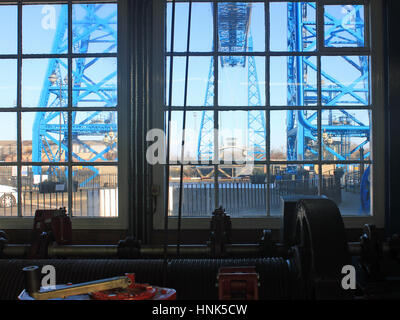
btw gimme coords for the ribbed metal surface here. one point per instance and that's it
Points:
(196, 278)
(192, 278)
(139, 95)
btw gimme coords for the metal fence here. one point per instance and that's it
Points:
(100, 202)
(241, 198)
(94, 197)
(82, 180)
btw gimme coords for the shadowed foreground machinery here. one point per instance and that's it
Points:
(307, 263)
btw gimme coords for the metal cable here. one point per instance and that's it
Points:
(183, 131)
(166, 199)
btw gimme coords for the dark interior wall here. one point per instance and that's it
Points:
(135, 43)
(392, 63)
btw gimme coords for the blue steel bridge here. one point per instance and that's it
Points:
(350, 133)
(92, 28)
(234, 36)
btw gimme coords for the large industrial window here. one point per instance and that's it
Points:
(58, 108)
(274, 98)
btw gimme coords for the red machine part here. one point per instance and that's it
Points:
(56, 221)
(55, 224)
(238, 283)
(136, 291)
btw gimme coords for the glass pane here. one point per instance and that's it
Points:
(8, 136)
(200, 90)
(43, 187)
(94, 82)
(95, 191)
(180, 26)
(166, 82)
(344, 25)
(291, 180)
(178, 81)
(294, 135)
(345, 80)
(8, 29)
(44, 136)
(278, 140)
(241, 81)
(242, 190)
(349, 186)
(201, 27)
(193, 152)
(241, 28)
(242, 136)
(175, 142)
(346, 134)
(94, 27)
(205, 144)
(45, 29)
(44, 83)
(8, 191)
(198, 191)
(8, 83)
(293, 81)
(95, 136)
(292, 26)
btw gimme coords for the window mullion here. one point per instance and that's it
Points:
(267, 107)
(70, 106)
(216, 113)
(19, 134)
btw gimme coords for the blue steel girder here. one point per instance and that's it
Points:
(205, 143)
(301, 126)
(233, 27)
(302, 37)
(256, 130)
(302, 31)
(301, 133)
(93, 25)
(347, 31)
(234, 36)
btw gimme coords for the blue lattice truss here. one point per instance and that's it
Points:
(50, 129)
(234, 36)
(302, 133)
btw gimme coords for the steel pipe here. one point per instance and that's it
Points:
(22, 250)
(355, 248)
(16, 250)
(83, 250)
